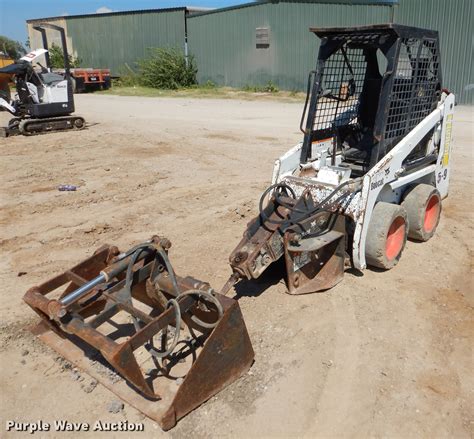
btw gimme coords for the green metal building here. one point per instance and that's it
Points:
(454, 19)
(227, 43)
(228, 48)
(113, 40)
(263, 41)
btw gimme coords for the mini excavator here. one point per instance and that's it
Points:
(45, 100)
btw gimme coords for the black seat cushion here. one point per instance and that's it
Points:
(360, 152)
(50, 78)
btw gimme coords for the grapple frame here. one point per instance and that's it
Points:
(215, 353)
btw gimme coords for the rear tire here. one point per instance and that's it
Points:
(423, 205)
(386, 236)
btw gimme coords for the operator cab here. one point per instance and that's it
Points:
(372, 86)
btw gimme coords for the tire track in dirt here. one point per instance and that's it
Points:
(340, 381)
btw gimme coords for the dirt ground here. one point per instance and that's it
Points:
(383, 354)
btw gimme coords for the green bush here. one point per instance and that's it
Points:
(209, 84)
(56, 58)
(127, 77)
(269, 87)
(166, 68)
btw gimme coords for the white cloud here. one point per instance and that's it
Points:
(103, 10)
(65, 14)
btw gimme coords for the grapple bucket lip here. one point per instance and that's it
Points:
(75, 355)
(227, 354)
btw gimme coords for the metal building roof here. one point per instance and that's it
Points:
(336, 2)
(190, 9)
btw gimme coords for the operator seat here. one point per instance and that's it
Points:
(359, 151)
(51, 78)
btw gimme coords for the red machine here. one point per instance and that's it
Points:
(91, 79)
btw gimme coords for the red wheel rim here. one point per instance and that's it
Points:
(432, 211)
(395, 238)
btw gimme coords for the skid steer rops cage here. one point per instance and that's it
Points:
(371, 87)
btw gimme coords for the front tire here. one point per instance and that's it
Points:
(423, 205)
(386, 236)
(79, 123)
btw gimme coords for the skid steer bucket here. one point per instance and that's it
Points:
(163, 343)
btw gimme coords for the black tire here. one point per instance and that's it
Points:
(79, 123)
(386, 236)
(423, 205)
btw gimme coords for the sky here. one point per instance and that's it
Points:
(14, 13)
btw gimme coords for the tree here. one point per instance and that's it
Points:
(14, 49)
(56, 58)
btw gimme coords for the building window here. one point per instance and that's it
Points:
(262, 37)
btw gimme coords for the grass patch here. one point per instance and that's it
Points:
(269, 87)
(165, 72)
(207, 90)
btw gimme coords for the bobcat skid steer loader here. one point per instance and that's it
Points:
(372, 168)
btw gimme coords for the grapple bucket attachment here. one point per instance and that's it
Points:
(173, 341)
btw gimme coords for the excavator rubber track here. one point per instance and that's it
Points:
(33, 126)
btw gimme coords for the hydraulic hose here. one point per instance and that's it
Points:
(177, 331)
(211, 298)
(170, 270)
(131, 263)
(177, 311)
(306, 213)
(134, 254)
